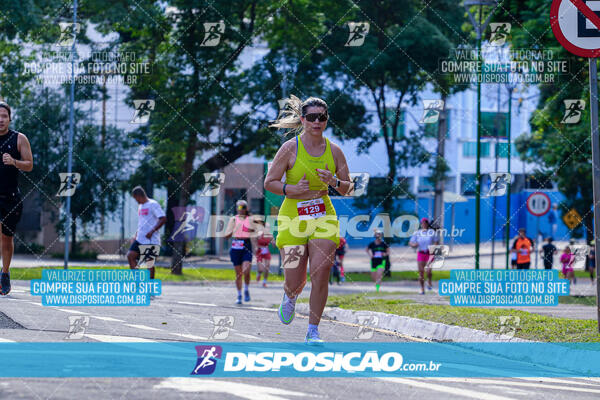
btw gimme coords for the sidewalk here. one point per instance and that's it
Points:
(410, 291)
(403, 258)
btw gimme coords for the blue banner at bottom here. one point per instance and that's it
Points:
(339, 359)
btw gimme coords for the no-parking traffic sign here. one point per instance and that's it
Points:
(576, 25)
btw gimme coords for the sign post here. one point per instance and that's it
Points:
(538, 204)
(569, 21)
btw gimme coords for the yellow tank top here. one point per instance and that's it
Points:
(307, 164)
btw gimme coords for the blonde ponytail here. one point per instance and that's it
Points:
(293, 109)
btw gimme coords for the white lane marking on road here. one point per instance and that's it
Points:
(143, 327)
(564, 381)
(261, 309)
(110, 319)
(245, 335)
(197, 304)
(485, 381)
(242, 390)
(117, 339)
(2, 340)
(188, 336)
(72, 311)
(447, 389)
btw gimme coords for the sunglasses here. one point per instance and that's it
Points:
(312, 117)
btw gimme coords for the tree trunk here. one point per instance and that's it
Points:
(172, 201)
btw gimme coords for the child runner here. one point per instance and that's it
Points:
(566, 259)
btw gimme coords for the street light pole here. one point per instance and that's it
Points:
(71, 129)
(479, 29)
(509, 155)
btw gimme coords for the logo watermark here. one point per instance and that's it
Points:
(573, 110)
(357, 33)
(292, 256)
(142, 110)
(212, 33)
(187, 220)
(148, 255)
(437, 255)
(221, 326)
(78, 324)
(360, 181)
(509, 325)
(499, 33)
(212, 183)
(68, 32)
(367, 323)
(431, 111)
(68, 183)
(580, 254)
(207, 359)
(499, 182)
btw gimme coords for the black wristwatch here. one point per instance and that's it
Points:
(284, 185)
(337, 184)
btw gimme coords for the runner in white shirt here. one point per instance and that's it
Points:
(421, 240)
(151, 218)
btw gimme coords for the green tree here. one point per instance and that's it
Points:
(561, 151)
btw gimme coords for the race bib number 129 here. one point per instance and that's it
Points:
(311, 209)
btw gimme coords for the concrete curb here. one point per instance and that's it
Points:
(573, 359)
(412, 326)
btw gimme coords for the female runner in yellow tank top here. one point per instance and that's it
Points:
(307, 225)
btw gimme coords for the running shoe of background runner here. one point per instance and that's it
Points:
(239, 299)
(5, 283)
(246, 295)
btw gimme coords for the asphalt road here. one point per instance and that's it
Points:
(184, 312)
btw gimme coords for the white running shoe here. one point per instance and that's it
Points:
(313, 338)
(287, 310)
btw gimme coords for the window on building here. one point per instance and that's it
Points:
(494, 124)
(502, 150)
(425, 184)
(470, 149)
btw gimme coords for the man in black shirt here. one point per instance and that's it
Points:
(16, 156)
(549, 250)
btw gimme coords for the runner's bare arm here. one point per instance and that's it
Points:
(26, 161)
(159, 224)
(343, 174)
(230, 228)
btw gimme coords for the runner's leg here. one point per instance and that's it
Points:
(8, 248)
(321, 253)
(421, 265)
(295, 278)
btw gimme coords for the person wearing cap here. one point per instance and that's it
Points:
(240, 229)
(16, 158)
(378, 250)
(421, 240)
(522, 246)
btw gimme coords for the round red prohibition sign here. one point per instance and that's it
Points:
(576, 26)
(538, 203)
